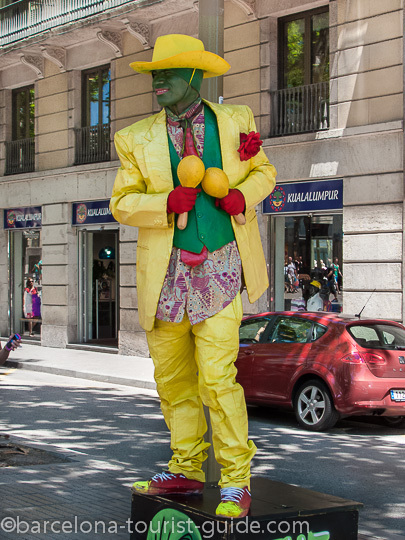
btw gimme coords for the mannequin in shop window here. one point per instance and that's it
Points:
(31, 304)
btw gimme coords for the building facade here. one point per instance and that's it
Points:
(325, 82)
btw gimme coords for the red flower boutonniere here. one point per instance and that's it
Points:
(249, 145)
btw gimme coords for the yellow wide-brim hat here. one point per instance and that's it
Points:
(181, 51)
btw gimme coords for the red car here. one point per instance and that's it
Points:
(323, 365)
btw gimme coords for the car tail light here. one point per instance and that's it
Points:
(353, 358)
(374, 359)
(365, 358)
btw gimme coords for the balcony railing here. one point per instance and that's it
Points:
(300, 110)
(26, 18)
(20, 156)
(92, 144)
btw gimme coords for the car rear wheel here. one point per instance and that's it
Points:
(397, 422)
(313, 406)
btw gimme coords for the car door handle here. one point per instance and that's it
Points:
(248, 352)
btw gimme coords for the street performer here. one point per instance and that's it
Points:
(189, 280)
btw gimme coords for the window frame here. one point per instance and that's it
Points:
(378, 328)
(283, 318)
(86, 115)
(14, 120)
(307, 16)
(263, 335)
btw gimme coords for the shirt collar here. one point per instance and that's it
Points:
(188, 114)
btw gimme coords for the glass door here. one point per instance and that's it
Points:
(98, 306)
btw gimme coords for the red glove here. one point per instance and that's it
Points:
(233, 203)
(181, 199)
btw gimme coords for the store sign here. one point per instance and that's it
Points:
(92, 212)
(23, 218)
(304, 197)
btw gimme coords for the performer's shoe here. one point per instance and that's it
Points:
(235, 502)
(167, 483)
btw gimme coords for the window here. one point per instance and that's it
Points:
(20, 152)
(252, 329)
(23, 113)
(313, 243)
(96, 97)
(305, 49)
(291, 330)
(302, 103)
(32, 279)
(318, 331)
(93, 139)
(378, 336)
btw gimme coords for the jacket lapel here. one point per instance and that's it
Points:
(157, 156)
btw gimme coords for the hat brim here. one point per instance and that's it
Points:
(211, 64)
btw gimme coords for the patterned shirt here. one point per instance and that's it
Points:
(206, 289)
(203, 290)
(194, 117)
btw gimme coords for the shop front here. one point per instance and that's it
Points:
(306, 233)
(98, 235)
(23, 226)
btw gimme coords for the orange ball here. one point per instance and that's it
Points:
(190, 171)
(215, 183)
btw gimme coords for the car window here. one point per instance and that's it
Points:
(378, 336)
(291, 330)
(318, 331)
(388, 337)
(251, 329)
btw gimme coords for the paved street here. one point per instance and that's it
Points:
(115, 434)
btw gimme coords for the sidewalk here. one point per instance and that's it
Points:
(84, 498)
(86, 364)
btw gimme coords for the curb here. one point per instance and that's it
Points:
(82, 375)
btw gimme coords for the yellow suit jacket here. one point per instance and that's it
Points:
(144, 182)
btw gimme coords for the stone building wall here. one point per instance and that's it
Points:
(364, 144)
(367, 86)
(51, 108)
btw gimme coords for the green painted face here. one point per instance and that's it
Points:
(172, 90)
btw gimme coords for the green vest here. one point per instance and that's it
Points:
(207, 224)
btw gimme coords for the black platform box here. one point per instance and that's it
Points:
(278, 512)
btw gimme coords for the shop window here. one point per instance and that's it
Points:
(32, 281)
(312, 276)
(93, 138)
(20, 152)
(302, 102)
(25, 279)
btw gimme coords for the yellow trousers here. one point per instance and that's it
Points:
(194, 365)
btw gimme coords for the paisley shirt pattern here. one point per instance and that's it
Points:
(191, 118)
(202, 291)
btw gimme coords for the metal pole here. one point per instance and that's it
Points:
(211, 33)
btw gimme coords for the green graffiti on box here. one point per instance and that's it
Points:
(324, 535)
(170, 523)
